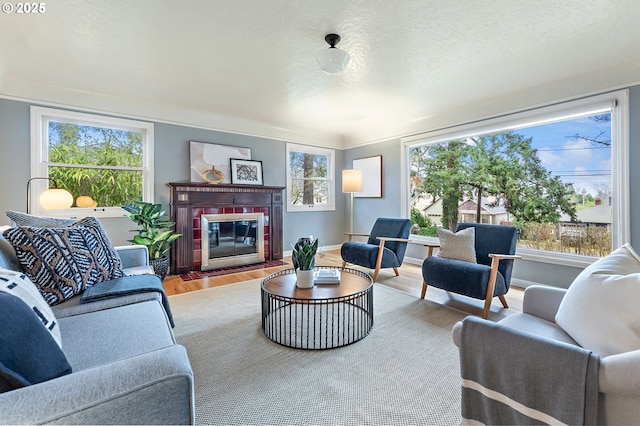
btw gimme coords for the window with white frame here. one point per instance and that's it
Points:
(559, 173)
(104, 162)
(310, 178)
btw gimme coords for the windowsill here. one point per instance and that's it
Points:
(555, 258)
(79, 213)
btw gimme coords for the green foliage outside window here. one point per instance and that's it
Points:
(102, 163)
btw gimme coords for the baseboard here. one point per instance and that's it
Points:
(320, 249)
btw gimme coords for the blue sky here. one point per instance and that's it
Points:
(575, 160)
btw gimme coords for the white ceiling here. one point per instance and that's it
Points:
(248, 66)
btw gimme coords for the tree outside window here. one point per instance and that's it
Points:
(310, 178)
(553, 182)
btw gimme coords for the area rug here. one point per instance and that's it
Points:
(405, 371)
(196, 275)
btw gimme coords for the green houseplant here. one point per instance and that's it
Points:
(155, 232)
(304, 252)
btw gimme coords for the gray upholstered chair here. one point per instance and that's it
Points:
(495, 248)
(385, 247)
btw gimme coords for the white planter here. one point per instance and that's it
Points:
(304, 279)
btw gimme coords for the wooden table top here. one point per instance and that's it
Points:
(283, 283)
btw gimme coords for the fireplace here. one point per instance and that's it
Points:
(231, 239)
(190, 201)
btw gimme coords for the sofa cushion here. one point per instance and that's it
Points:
(62, 262)
(600, 309)
(120, 332)
(24, 219)
(458, 246)
(28, 352)
(19, 285)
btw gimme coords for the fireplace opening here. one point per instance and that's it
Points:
(232, 239)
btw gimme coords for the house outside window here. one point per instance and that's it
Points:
(559, 174)
(310, 178)
(104, 162)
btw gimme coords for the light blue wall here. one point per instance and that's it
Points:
(366, 210)
(171, 164)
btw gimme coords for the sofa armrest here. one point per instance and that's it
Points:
(542, 301)
(152, 388)
(619, 374)
(133, 255)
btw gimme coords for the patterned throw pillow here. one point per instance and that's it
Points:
(458, 246)
(62, 262)
(24, 219)
(19, 285)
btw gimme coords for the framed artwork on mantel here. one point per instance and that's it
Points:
(210, 162)
(246, 172)
(371, 176)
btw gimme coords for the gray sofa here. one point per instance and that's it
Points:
(618, 376)
(126, 365)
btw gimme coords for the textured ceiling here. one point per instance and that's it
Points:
(249, 66)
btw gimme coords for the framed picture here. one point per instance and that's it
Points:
(205, 157)
(246, 172)
(371, 176)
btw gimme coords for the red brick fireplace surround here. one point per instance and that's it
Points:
(189, 200)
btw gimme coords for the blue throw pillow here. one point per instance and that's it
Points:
(28, 352)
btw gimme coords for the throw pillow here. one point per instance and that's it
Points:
(24, 219)
(600, 308)
(62, 262)
(458, 246)
(19, 285)
(28, 352)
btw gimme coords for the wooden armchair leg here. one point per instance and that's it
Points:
(378, 261)
(503, 300)
(396, 271)
(424, 289)
(491, 285)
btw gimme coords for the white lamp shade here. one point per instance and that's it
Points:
(56, 198)
(333, 60)
(352, 180)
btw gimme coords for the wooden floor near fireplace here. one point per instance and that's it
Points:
(409, 281)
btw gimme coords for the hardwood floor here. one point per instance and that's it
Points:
(409, 282)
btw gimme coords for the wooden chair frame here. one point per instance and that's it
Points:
(491, 285)
(382, 240)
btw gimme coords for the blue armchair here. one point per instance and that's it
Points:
(495, 248)
(385, 247)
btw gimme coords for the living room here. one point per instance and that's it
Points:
(525, 72)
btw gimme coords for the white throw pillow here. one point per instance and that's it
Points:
(20, 285)
(600, 309)
(458, 246)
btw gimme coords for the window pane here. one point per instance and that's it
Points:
(553, 181)
(77, 144)
(305, 192)
(308, 165)
(106, 187)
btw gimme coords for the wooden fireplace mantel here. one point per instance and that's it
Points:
(189, 200)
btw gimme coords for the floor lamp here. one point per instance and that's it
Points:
(352, 183)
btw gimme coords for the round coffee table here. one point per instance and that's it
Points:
(322, 317)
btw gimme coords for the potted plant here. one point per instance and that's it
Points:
(155, 232)
(304, 252)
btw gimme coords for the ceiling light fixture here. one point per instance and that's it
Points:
(333, 60)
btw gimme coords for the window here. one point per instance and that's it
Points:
(104, 162)
(310, 178)
(557, 173)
